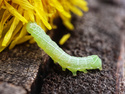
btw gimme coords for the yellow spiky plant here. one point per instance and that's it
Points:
(14, 14)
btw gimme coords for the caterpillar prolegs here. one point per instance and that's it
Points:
(72, 63)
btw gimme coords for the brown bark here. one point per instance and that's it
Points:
(20, 66)
(6, 88)
(120, 86)
(98, 32)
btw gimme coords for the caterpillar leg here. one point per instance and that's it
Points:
(74, 73)
(85, 71)
(63, 69)
(55, 62)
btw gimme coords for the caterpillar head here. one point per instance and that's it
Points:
(97, 63)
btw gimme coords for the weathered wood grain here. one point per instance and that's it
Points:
(98, 32)
(20, 66)
(6, 88)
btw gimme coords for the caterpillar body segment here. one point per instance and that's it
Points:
(72, 63)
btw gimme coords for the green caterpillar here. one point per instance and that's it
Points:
(72, 63)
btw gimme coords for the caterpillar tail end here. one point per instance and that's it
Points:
(30, 27)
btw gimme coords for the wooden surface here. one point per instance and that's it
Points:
(23, 68)
(97, 32)
(6, 88)
(20, 66)
(120, 86)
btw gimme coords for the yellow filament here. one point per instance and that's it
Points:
(14, 14)
(64, 39)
